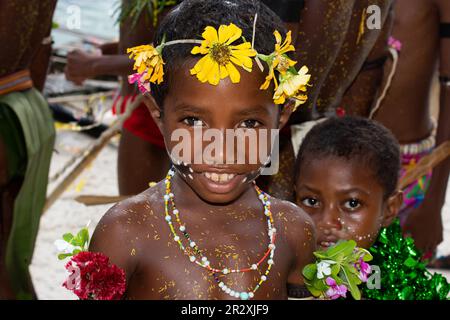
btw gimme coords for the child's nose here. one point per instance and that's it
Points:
(331, 217)
(218, 150)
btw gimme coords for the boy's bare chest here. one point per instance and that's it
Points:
(167, 272)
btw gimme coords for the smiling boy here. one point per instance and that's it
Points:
(206, 231)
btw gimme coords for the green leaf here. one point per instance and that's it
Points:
(320, 255)
(351, 282)
(341, 249)
(76, 241)
(341, 257)
(310, 271)
(335, 268)
(339, 280)
(367, 256)
(62, 256)
(83, 236)
(76, 251)
(68, 237)
(352, 269)
(314, 291)
(264, 57)
(320, 284)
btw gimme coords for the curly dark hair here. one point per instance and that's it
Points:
(355, 139)
(189, 19)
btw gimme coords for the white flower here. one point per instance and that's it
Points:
(63, 246)
(323, 268)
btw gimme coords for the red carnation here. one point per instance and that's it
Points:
(93, 277)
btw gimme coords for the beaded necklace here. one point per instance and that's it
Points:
(195, 254)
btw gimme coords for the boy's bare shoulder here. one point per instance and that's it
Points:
(299, 231)
(123, 229)
(295, 222)
(135, 211)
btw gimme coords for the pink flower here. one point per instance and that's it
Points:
(335, 291)
(364, 270)
(143, 85)
(93, 277)
(394, 43)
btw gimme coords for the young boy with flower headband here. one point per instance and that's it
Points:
(207, 231)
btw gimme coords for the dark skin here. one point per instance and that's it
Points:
(361, 95)
(322, 31)
(32, 22)
(345, 200)
(355, 50)
(421, 51)
(40, 64)
(226, 221)
(139, 162)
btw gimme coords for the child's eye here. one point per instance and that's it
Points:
(352, 204)
(311, 202)
(193, 122)
(248, 124)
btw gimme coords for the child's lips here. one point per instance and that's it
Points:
(327, 244)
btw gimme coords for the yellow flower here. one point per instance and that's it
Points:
(269, 78)
(220, 56)
(149, 60)
(299, 100)
(281, 61)
(291, 85)
(278, 60)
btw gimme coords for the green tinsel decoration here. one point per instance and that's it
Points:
(403, 275)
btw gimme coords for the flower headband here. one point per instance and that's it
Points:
(219, 61)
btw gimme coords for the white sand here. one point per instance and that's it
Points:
(66, 215)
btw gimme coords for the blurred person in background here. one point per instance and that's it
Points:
(26, 138)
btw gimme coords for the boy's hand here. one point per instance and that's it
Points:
(424, 224)
(80, 66)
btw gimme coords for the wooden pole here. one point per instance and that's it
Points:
(425, 165)
(89, 200)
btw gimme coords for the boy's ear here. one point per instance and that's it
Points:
(286, 112)
(394, 203)
(154, 109)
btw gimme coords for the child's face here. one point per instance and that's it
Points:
(345, 200)
(191, 105)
